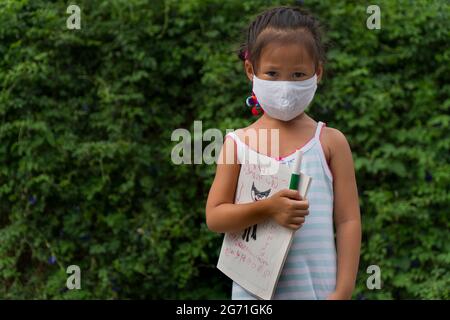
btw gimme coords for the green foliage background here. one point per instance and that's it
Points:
(86, 121)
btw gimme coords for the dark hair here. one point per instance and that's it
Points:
(284, 24)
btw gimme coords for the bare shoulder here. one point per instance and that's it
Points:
(333, 142)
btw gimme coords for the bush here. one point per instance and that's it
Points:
(87, 117)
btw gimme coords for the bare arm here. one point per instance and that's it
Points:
(222, 215)
(346, 214)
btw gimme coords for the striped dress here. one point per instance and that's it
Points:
(310, 268)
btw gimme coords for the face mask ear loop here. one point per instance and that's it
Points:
(315, 73)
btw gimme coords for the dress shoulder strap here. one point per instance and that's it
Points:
(239, 145)
(320, 125)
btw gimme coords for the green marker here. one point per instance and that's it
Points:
(295, 176)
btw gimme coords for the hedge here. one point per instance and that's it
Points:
(86, 123)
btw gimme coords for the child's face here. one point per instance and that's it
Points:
(286, 62)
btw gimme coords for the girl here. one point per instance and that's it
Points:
(283, 58)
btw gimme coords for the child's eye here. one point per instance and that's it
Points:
(299, 74)
(271, 73)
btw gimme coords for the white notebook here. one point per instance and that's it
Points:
(254, 257)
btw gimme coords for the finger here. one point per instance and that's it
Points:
(294, 226)
(291, 194)
(299, 205)
(297, 220)
(300, 213)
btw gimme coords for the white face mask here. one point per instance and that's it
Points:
(284, 100)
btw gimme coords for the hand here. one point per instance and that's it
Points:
(288, 208)
(336, 295)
